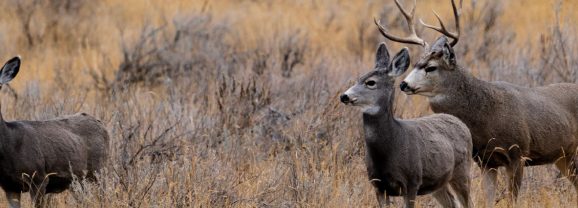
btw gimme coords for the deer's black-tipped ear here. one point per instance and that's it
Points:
(443, 49)
(439, 44)
(381, 57)
(9, 70)
(400, 63)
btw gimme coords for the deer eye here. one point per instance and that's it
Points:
(370, 83)
(430, 69)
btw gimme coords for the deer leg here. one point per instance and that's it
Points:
(445, 197)
(410, 197)
(387, 200)
(489, 180)
(48, 200)
(515, 172)
(568, 167)
(461, 186)
(380, 195)
(13, 199)
(37, 192)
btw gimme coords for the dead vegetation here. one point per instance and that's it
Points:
(222, 104)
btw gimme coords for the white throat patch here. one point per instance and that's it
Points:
(371, 110)
(437, 98)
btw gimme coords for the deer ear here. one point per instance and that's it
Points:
(400, 63)
(9, 70)
(381, 57)
(442, 48)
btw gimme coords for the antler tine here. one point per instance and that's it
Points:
(442, 28)
(412, 38)
(408, 17)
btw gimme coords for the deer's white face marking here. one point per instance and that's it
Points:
(422, 81)
(364, 94)
(373, 91)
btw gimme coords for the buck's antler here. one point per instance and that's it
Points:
(442, 28)
(412, 38)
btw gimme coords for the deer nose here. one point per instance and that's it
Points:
(344, 98)
(403, 86)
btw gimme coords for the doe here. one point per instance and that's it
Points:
(410, 157)
(43, 156)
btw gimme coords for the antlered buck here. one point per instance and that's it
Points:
(511, 126)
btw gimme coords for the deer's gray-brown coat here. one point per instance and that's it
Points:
(42, 156)
(415, 156)
(511, 126)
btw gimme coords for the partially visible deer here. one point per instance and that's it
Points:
(42, 156)
(511, 126)
(410, 157)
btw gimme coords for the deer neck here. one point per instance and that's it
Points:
(463, 95)
(2, 122)
(3, 132)
(381, 140)
(381, 126)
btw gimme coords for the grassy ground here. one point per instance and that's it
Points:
(234, 103)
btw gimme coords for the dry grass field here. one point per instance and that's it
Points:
(216, 103)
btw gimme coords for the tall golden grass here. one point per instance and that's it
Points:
(241, 109)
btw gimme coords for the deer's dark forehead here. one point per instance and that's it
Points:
(423, 61)
(371, 74)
